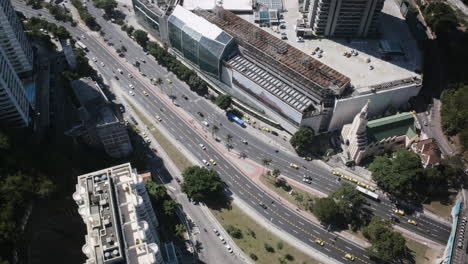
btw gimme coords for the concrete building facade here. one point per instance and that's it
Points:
(363, 138)
(13, 39)
(344, 18)
(14, 104)
(98, 125)
(120, 221)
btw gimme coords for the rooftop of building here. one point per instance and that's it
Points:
(201, 26)
(391, 126)
(429, 152)
(159, 7)
(118, 200)
(319, 79)
(395, 34)
(271, 83)
(102, 226)
(91, 98)
(244, 6)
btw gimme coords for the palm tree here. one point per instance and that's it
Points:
(229, 138)
(266, 162)
(214, 130)
(228, 141)
(276, 173)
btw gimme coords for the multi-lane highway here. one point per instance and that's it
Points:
(177, 121)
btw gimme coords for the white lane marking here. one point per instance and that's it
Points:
(273, 205)
(280, 222)
(348, 248)
(248, 186)
(327, 249)
(266, 212)
(311, 240)
(367, 257)
(287, 214)
(295, 231)
(229, 183)
(300, 222)
(260, 195)
(316, 232)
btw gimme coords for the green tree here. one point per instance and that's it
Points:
(454, 113)
(253, 257)
(326, 210)
(4, 141)
(62, 33)
(302, 140)
(200, 183)
(268, 248)
(276, 173)
(279, 245)
(224, 101)
(214, 130)
(234, 231)
(349, 202)
(180, 230)
(141, 37)
(400, 175)
(387, 244)
(266, 162)
(156, 192)
(107, 5)
(169, 207)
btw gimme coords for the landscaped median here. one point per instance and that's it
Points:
(257, 242)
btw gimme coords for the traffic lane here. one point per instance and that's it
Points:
(131, 42)
(279, 212)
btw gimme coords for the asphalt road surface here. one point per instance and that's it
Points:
(256, 149)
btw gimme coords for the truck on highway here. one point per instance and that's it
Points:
(81, 45)
(234, 118)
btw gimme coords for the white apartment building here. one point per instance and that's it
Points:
(13, 40)
(120, 221)
(344, 18)
(14, 104)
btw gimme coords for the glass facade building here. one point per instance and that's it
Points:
(199, 41)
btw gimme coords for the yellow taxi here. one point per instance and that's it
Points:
(253, 121)
(334, 172)
(353, 180)
(307, 158)
(361, 184)
(350, 257)
(212, 161)
(158, 118)
(145, 93)
(266, 129)
(411, 221)
(294, 166)
(169, 81)
(319, 241)
(398, 211)
(371, 188)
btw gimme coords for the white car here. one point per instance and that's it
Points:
(83, 37)
(131, 86)
(300, 39)
(215, 231)
(222, 239)
(120, 71)
(131, 93)
(94, 59)
(206, 123)
(130, 76)
(202, 146)
(102, 64)
(205, 162)
(229, 249)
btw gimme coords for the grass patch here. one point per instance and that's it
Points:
(422, 253)
(256, 240)
(270, 183)
(175, 155)
(439, 208)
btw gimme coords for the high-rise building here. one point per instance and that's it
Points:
(13, 40)
(14, 104)
(344, 18)
(120, 221)
(98, 124)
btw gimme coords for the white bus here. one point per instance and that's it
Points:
(82, 46)
(368, 193)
